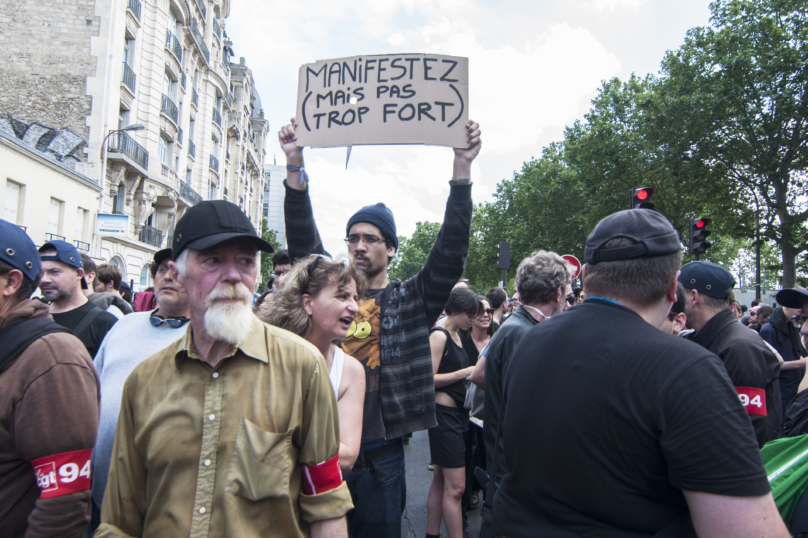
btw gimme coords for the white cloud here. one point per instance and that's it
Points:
(601, 6)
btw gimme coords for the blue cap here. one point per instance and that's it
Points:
(381, 217)
(708, 278)
(17, 250)
(65, 253)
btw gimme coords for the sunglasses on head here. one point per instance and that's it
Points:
(174, 323)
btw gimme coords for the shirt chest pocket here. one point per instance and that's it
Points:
(261, 463)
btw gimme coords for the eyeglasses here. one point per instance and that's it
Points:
(571, 299)
(281, 272)
(314, 263)
(174, 323)
(368, 239)
(489, 311)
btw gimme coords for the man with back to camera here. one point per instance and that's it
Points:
(752, 366)
(627, 431)
(131, 341)
(62, 276)
(390, 335)
(231, 431)
(542, 280)
(48, 406)
(281, 264)
(498, 299)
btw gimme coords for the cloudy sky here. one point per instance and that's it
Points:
(534, 67)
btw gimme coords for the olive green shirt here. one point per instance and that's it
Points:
(203, 451)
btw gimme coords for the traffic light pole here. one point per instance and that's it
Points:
(505, 279)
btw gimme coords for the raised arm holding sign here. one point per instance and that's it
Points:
(391, 327)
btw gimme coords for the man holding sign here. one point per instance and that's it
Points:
(390, 334)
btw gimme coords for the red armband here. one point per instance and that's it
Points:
(62, 474)
(753, 400)
(322, 477)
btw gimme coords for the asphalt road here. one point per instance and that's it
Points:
(419, 478)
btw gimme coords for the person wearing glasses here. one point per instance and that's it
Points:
(391, 338)
(318, 303)
(131, 341)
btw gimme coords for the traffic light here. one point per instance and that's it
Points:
(641, 198)
(698, 236)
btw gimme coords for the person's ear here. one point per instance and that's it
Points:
(391, 250)
(13, 282)
(583, 278)
(176, 277)
(307, 301)
(680, 322)
(671, 295)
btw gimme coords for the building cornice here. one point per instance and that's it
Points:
(39, 157)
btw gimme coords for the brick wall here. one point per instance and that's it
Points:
(46, 61)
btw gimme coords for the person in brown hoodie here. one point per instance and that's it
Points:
(49, 405)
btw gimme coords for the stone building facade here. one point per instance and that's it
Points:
(162, 70)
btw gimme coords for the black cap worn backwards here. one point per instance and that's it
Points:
(211, 222)
(653, 233)
(708, 278)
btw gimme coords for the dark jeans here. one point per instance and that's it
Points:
(379, 492)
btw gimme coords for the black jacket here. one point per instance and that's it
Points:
(751, 365)
(785, 338)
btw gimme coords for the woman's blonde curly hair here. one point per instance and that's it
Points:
(284, 308)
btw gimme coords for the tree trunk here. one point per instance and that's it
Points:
(789, 264)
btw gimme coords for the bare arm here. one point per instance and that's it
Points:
(329, 528)
(478, 375)
(351, 405)
(720, 516)
(294, 154)
(793, 365)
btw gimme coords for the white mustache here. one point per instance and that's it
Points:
(234, 291)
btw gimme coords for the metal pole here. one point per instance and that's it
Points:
(757, 260)
(505, 279)
(696, 257)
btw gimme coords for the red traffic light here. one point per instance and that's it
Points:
(642, 195)
(700, 224)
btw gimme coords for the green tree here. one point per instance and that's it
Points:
(738, 88)
(271, 237)
(412, 253)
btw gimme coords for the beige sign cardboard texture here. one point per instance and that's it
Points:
(385, 99)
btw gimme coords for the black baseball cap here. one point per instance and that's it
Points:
(792, 297)
(708, 278)
(652, 233)
(211, 222)
(17, 250)
(161, 255)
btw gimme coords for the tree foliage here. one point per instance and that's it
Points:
(412, 253)
(270, 236)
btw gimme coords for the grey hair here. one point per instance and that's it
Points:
(182, 263)
(540, 275)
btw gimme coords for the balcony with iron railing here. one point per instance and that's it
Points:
(81, 245)
(122, 143)
(216, 28)
(214, 164)
(194, 97)
(128, 78)
(151, 236)
(191, 148)
(173, 44)
(217, 117)
(54, 237)
(170, 109)
(134, 7)
(199, 39)
(189, 194)
(202, 8)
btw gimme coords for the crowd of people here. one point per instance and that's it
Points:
(635, 405)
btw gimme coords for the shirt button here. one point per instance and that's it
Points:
(211, 417)
(202, 510)
(207, 463)
(215, 375)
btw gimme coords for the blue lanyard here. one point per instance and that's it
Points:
(603, 299)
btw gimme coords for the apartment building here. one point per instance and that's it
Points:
(274, 194)
(167, 118)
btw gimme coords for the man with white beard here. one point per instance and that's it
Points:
(231, 430)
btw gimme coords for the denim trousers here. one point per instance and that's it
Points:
(379, 492)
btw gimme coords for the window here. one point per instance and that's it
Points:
(12, 202)
(211, 189)
(54, 216)
(169, 87)
(123, 118)
(128, 51)
(162, 150)
(80, 216)
(189, 175)
(191, 128)
(145, 277)
(119, 200)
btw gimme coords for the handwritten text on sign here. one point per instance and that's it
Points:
(391, 99)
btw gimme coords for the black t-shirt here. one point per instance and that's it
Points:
(604, 427)
(94, 334)
(454, 358)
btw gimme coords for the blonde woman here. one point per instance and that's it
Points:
(317, 300)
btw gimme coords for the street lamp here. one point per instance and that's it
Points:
(102, 179)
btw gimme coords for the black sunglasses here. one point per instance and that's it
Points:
(174, 323)
(314, 263)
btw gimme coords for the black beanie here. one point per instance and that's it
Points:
(381, 217)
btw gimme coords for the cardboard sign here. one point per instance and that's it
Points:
(388, 99)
